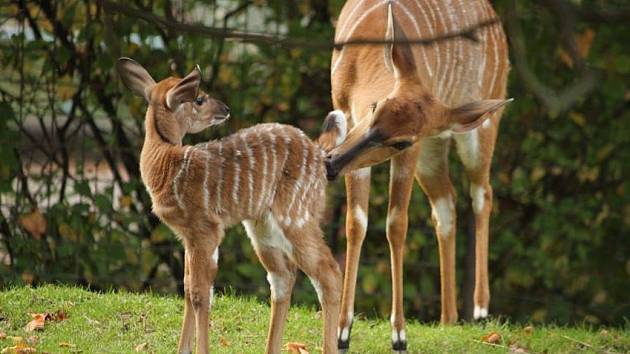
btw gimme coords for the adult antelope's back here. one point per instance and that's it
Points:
(403, 103)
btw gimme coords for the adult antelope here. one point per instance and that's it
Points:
(270, 177)
(403, 103)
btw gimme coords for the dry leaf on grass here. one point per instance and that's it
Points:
(20, 347)
(528, 329)
(142, 347)
(66, 345)
(296, 348)
(39, 319)
(224, 342)
(492, 338)
(2, 335)
(34, 223)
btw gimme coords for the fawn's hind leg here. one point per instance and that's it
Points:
(314, 258)
(271, 246)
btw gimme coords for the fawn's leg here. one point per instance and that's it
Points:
(202, 272)
(280, 274)
(358, 194)
(314, 258)
(188, 326)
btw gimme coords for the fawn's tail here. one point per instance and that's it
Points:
(333, 131)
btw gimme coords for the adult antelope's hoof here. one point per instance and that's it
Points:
(399, 347)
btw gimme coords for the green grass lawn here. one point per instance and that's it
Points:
(119, 322)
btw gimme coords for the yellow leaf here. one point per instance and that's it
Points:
(66, 345)
(34, 223)
(578, 118)
(296, 348)
(224, 342)
(142, 347)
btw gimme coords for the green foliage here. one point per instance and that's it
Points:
(71, 135)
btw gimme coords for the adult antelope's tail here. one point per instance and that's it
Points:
(333, 131)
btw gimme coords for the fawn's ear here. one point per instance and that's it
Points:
(333, 131)
(185, 91)
(135, 77)
(469, 116)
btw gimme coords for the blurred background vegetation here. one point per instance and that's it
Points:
(73, 209)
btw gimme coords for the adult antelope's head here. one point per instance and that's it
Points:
(191, 108)
(409, 113)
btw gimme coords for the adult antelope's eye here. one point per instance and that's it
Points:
(199, 101)
(401, 145)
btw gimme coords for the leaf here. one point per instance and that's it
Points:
(224, 342)
(20, 347)
(3, 335)
(39, 319)
(492, 338)
(296, 348)
(66, 345)
(34, 223)
(142, 347)
(528, 329)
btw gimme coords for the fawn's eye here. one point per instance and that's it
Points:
(199, 101)
(401, 145)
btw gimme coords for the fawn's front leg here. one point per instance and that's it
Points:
(201, 270)
(186, 339)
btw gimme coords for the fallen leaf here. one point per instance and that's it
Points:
(66, 345)
(492, 338)
(3, 335)
(528, 329)
(296, 348)
(142, 347)
(59, 316)
(39, 319)
(19, 348)
(224, 342)
(34, 223)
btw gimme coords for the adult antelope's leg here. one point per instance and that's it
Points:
(203, 270)
(314, 258)
(401, 180)
(433, 176)
(475, 150)
(188, 326)
(358, 195)
(281, 277)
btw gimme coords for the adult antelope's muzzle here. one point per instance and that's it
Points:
(336, 163)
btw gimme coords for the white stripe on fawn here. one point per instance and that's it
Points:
(237, 171)
(459, 61)
(456, 49)
(274, 171)
(495, 54)
(178, 176)
(219, 190)
(263, 184)
(298, 181)
(250, 171)
(206, 193)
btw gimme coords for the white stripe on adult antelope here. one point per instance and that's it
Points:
(270, 176)
(403, 103)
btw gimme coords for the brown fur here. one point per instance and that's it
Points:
(270, 176)
(428, 93)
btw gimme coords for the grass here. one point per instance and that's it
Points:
(119, 322)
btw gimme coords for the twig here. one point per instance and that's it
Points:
(587, 344)
(263, 38)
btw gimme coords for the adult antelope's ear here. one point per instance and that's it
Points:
(469, 116)
(135, 77)
(185, 91)
(399, 56)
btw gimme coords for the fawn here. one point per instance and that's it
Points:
(270, 177)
